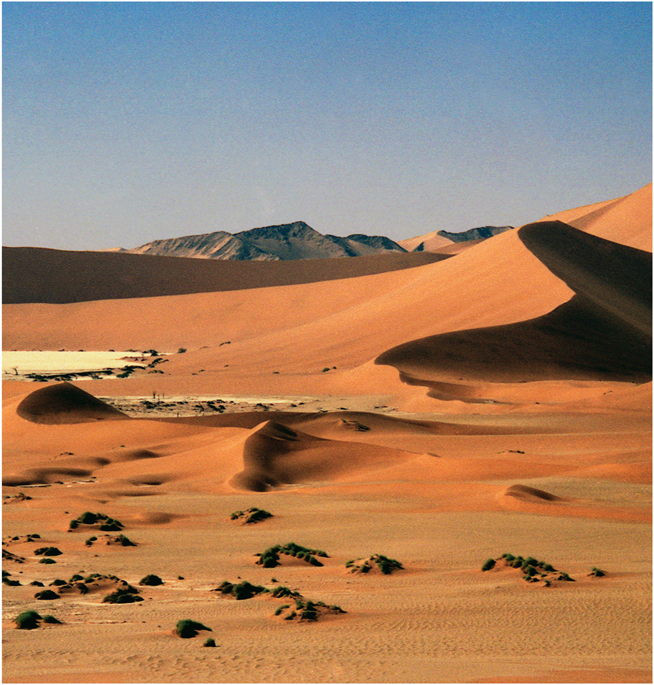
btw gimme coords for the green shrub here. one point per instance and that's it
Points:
(151, 579)
(47, 552)
(251, 515)
(28, 620)
(597, 572)
(488, 565)
(209, 642)
(47, 560)
(49, 618)
(187, 628)
(123, 596)
(281, 608)
(46, 594)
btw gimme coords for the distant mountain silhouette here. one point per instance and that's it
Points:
(269, 243)
(480, 233)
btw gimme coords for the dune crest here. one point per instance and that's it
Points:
(602, 333)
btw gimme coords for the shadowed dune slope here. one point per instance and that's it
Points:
(276, 455)
(65, 403)
(602, 333)
(31, 274)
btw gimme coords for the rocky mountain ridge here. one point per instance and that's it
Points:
(283, 242)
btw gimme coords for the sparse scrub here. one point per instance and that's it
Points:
(597, 572)
(28, 620)
(385, 564)
(46, 594)
(151, 579)
(533, 570)
(251, 515)
(49, 618)
(187, 628)
(100, 521)
(47, 552)
(209, 642)
(270, 557)
(122, 596)
(488, 565)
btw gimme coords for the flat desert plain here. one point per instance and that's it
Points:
(455, 455)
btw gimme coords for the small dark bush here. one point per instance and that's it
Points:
(47, 560)
(151, 579)
(49, 618)
(37, 583)
(187, 628)
(10, 582)
(488, 565)
(122, 596)
(209, 642)
(251, 515)
(47, 552)
(28, 620)
(597, 572)
(46, 594)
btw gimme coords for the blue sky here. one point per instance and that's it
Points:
(126, 122)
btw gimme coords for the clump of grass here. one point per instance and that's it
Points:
(306, 610)
(47, 552)
(385, 564)
(28, 620)
(187, 628)
(47, 560)
(270, 557)
(533, 570)
(121, 597)
(488, 565)
(100, 521)
(209, 642)
(49, 618)
(242, 590)
(251, 515)
(597, 572)
(151, 579)
(46, 594)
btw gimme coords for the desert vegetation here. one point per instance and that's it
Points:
(99, 521)
(533, 570)
(384, 564)
(188, 628)
(271, 557)
(251, 515)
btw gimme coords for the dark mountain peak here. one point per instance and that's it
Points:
(480, 233)
(297, 229)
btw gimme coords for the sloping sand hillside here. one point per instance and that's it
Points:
(446, 416)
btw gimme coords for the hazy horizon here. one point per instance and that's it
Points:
(128, 122)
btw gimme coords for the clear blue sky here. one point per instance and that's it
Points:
(126, 122)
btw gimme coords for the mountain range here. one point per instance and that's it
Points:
(292, 241)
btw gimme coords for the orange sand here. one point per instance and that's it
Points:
(524, 426)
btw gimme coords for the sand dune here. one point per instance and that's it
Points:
(604, 331)
(532, 436)
(65, 403)
(31, 274)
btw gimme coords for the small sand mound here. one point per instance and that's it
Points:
(65, 403)
(526, 492)
(275, 455)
